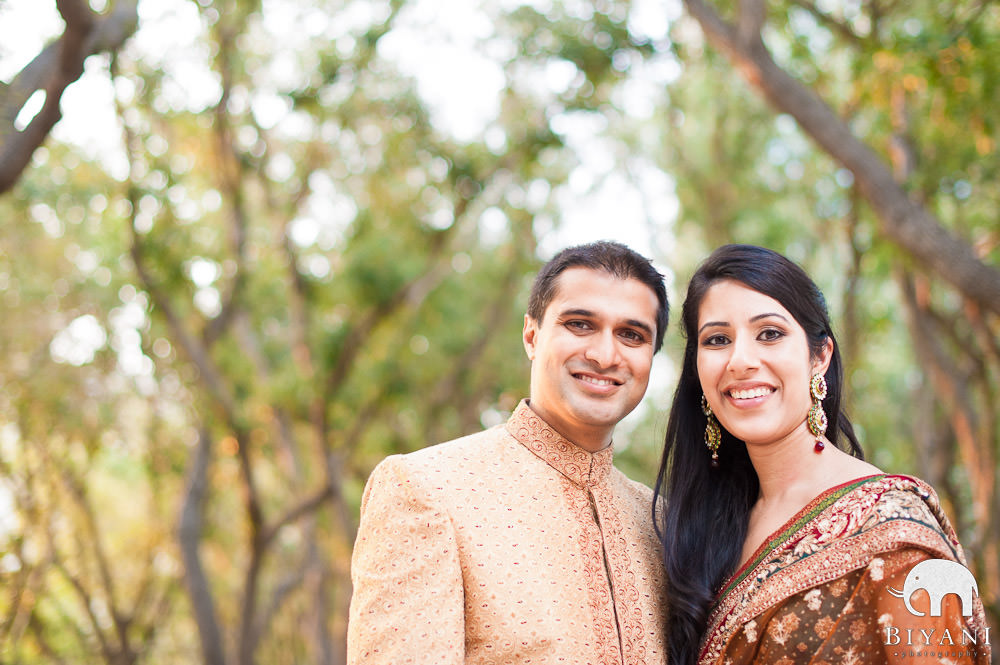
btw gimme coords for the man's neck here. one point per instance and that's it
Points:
(591, 440)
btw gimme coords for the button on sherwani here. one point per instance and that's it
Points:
(508, 546)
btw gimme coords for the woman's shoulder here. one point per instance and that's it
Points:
(904, 511)
(907, 493)
(894, 496)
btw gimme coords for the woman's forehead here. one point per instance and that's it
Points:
(734, 302)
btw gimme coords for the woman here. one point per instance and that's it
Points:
(780, 547)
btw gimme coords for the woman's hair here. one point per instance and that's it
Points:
(701, 513)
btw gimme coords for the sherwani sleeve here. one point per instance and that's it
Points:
(408, 604)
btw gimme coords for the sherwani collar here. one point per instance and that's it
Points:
(583, 468)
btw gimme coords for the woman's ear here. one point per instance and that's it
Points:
(821, 361)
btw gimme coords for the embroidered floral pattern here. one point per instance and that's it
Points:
(750, 630)
(582, 468)
(828, 568)
(507, 547)
(875, 569)
(858, 629)
(824, 626)
(781, 630)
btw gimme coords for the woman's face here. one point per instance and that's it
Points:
(754, 364)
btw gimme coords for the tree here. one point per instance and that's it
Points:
(88, 451)
(301, 270)
(57, 66)
(324, 277)
(859, 83)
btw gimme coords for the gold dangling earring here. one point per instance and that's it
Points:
(713, 433)
(816, 420)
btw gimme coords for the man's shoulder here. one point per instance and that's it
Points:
(446, 473)
(471, 446)
(468, 453)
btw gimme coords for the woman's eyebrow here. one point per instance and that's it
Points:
(711, 324)
(753, 319)
(766, 315)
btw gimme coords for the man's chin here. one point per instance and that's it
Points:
(600, 413)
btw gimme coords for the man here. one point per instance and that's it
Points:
(523, 544)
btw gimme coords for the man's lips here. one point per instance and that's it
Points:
(596, 379)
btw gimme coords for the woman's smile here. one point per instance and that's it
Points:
(754, 364)
(747, 394)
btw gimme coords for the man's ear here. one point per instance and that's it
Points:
(821, 362)
(528, 336)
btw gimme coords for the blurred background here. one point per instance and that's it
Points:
(250, 248)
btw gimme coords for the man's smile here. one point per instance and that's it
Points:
(596, 380)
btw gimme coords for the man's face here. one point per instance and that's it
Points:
(591, 354)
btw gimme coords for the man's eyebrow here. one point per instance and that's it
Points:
(641, 326)
(576, 312)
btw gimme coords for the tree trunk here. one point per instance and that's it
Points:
(904, 221)
(52, 71)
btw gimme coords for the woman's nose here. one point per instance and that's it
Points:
(744, 355)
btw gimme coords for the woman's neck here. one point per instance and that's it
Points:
(790, 470)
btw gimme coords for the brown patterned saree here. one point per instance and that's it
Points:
(818, 591)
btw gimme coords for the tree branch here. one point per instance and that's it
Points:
(87, 601)
(303, 508)
(249, 345)
(753, 13)
(231, 173)
(951, 386)
(78, 492)
(189, 532)
(53, 70)
(907, 223)
(839, 27)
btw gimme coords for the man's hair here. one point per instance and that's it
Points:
(613, 258)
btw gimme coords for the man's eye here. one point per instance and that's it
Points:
(577, 325)
(633, 336)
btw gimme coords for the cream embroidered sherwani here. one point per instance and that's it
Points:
(508, 546)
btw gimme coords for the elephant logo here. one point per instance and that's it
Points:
(938, 577)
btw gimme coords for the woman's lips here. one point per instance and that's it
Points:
(751, 393)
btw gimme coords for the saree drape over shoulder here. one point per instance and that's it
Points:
(827, 587)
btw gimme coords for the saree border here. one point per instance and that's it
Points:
(793, 525)
(843, 529)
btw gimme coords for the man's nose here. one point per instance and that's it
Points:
(603, 350)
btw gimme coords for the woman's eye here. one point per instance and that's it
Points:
(715, 340)
(771, 335)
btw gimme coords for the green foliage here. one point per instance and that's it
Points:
(332, 263)
(310, 295)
